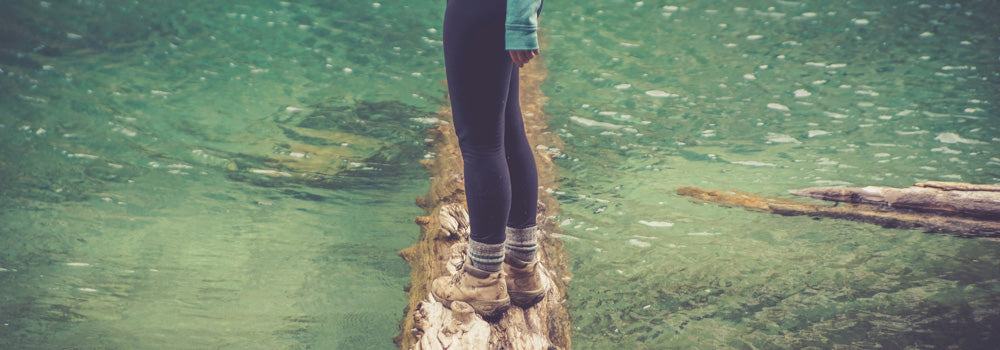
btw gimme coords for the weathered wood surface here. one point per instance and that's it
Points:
(940, 207)
(443, 238)
(941, 198)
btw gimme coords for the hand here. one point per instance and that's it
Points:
(521, 57)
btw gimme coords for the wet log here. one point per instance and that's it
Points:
(444, 232)
(940, 198)
(960, 209)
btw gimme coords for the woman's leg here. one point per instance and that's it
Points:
(479, 78)
(520, 162)
(479, 72)
(521, 232)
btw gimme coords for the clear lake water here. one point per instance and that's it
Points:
(201, 174)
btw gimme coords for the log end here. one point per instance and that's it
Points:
(731, 197)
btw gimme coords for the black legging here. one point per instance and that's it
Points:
(501, 181)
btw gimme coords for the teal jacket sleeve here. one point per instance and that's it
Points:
(522, 24)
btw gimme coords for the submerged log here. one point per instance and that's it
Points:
(960, 209)
(444, 232)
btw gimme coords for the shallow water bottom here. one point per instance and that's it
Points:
(705, 276)
(215, 265)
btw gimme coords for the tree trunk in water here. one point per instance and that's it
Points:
(961, 209)
(940, 198)
(444, 233)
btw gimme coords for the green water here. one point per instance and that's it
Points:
(189, 175)
(207, 175)
(766, 97)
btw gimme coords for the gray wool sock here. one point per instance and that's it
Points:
(486, 257)
(522, 243)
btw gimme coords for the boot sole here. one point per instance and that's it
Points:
(491, 309)
(486, 309)
(525, 300)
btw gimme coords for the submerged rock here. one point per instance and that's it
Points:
(334, 144)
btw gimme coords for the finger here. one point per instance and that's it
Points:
(516, 57)
(528, 55)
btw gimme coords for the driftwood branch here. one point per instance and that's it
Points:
(961, 209)
(940, 198)
(443, 238)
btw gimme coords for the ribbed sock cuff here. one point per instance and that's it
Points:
(522, 243)
(486, 257)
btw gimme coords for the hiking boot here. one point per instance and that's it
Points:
(485, 292)
(524, 283)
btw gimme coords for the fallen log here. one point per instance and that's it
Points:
(444, 232)
(941, 198)
(965, 210)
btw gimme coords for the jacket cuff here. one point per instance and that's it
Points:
(521, 38)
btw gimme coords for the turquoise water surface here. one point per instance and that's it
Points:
(208, 174)
(202, 174)
(767, 97)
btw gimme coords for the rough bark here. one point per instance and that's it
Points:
(960, 209)
(940, 198)
(444, 235)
